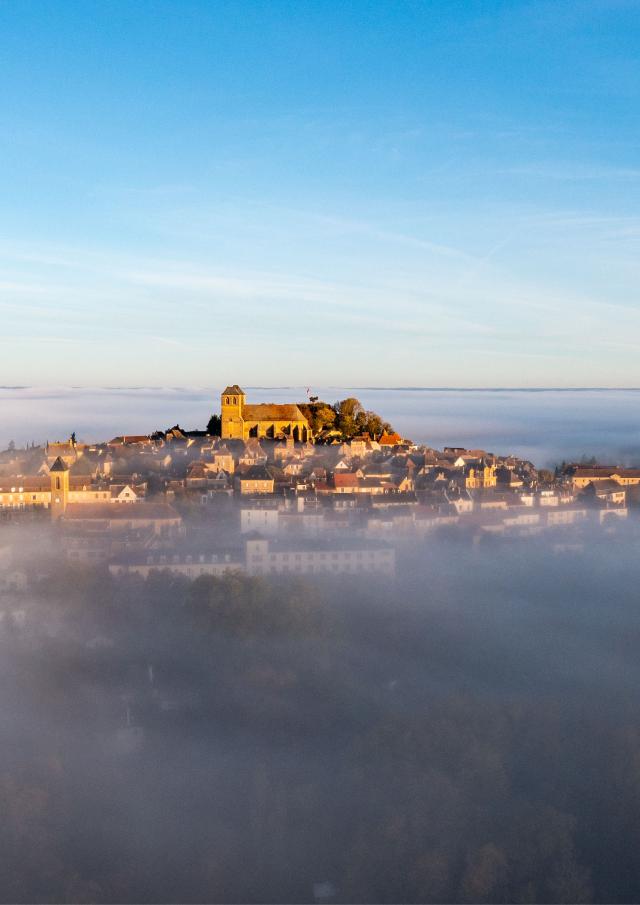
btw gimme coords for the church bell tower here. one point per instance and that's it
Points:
(231, 404)
(59, 474)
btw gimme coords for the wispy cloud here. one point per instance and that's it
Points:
(397, 286)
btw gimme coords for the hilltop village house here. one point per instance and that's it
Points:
(581, 476)
(241, 421)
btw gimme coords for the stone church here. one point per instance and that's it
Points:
(241, 421)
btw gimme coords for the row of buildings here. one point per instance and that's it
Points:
(259, 555)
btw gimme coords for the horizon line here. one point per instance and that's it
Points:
(407, 388)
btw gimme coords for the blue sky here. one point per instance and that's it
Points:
(357, 193)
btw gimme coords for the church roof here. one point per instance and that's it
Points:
(272, 412)
(59, 465)
(234, 389)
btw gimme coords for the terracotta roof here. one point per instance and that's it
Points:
(129, 438)
(85, 482)
(346, 480)
(233, 391)
(608, 486)
(27, 482)
(272, 412)
(390, 439)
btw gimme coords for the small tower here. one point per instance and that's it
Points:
(59, 474)
(232, 402)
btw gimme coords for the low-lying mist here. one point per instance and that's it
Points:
(545, 426)
(467, 732)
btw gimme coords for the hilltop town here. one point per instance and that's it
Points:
(289, 489)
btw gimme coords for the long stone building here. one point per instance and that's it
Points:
(241, 421)
(264, 556)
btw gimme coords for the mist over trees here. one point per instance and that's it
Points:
(468, 733)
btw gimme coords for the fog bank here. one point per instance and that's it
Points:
(543, 426)
(467, 732)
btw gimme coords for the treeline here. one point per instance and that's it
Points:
(346, 418)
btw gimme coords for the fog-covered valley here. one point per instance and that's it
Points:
(467, 731)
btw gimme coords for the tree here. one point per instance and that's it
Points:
(214, 426)
(349, 408)
(347, 412)
(372, 424)
(320, 415)
(325, 417)
(347, 416)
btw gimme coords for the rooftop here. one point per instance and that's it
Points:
(113, 512)
(269, 411)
